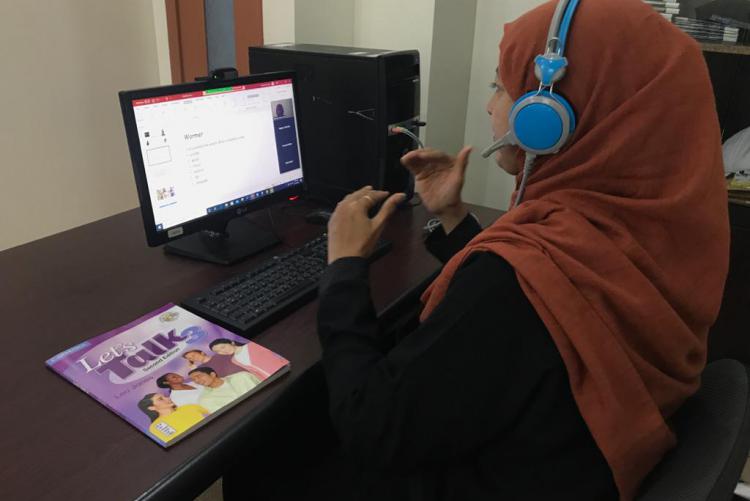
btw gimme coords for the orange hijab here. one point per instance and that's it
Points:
(622, 241)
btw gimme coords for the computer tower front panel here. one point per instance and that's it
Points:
(401, 104)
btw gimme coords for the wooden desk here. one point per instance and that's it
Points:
(58, 443)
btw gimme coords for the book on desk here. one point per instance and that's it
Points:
(169, 372)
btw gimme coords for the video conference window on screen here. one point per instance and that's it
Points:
(211, 150)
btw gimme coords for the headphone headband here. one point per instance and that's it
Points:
(557, 36)
(551, 66)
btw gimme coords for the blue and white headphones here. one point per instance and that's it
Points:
(541, 122)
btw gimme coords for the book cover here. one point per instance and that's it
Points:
(169, 372)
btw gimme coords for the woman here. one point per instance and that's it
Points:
(556, 343)
(168, 421)
(197, 358)
(180, 392)
(250, 357)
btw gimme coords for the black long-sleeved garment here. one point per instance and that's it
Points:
(474, 404)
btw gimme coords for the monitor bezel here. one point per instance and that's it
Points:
(213, 222)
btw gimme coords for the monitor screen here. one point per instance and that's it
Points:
(210, 150)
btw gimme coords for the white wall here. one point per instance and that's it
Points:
(450, 73)
(328, 22)
(278, 21)
(486, 184)
(64, 157)
(397, 25)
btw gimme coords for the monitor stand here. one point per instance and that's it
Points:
(227, 244)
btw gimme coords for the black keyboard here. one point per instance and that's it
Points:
(252, 300)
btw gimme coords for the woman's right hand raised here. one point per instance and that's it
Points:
(439, 179)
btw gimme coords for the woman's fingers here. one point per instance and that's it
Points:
(419, 159)
(413, 162)
(356, 195)
(370, 199)
(463, 158)
(388, 208)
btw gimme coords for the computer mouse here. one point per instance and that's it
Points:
(318, 216)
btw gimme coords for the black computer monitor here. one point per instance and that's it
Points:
(206, 153)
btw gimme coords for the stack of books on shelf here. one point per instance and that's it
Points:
(738, 186)
(666, 9)
(716, 29)
(710, 31)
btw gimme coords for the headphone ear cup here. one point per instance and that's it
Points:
(542, 122)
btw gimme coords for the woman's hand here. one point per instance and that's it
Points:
(351, 232)
(439, 179)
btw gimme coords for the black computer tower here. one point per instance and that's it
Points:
(349, 98)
